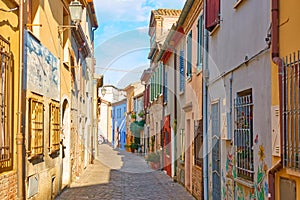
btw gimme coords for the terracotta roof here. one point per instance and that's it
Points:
(167, 12)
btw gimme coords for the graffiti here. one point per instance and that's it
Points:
(260, 184)
(230, 169)
(41, 69)
(240, 193)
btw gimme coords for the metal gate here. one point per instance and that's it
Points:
(291, 110)
(216, 178)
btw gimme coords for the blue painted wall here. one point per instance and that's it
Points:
(119, 123)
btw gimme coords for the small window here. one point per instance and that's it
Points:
(36, 128)
(54, 140)
(243, 135)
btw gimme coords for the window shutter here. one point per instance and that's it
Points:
(181, 70)
(166, 87)
(189, 55)
(200, 43)
(212, 14)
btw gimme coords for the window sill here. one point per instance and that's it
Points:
(35, 157)
(244, 182)
(292, 172)
(237, 4)
(215, 30)
(189, 78)
(198, 72)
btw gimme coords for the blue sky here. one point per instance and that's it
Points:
(121, 40)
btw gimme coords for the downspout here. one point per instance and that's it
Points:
(205, 116)
(20, 134)
(279, 62)
(163, 119)
(175, 112)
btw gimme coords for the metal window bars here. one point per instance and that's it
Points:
(291, 111)
(243, 136)
(36, 130)
(55, 127)
(5, 133)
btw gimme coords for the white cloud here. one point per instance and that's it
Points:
(132, 10)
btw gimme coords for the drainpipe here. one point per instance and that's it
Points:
(175, 111)
(20, 133)
(205, 117)
(279, 62)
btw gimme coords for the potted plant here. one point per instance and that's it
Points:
(133, 116)
(141, 114)
(154, 160)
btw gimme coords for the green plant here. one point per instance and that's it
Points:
(134, 146)
(153, 157)
(141, 114)
(133, 115)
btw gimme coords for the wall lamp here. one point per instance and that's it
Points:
(75, 8)
(103, 91)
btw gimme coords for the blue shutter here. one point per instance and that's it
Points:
(166, 87)
(181, 62)
(189, 55)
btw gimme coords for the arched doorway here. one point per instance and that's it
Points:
(66, 171)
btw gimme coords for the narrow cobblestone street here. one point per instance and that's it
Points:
(121, 175)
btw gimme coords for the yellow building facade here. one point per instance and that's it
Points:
(9, 63)
(284, 176)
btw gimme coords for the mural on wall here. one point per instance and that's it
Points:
(260, 185)
(41, 69)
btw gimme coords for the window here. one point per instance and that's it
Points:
(54, 127)
(36, 128)
(119, 113)
(212, 14)
(165, 87)
(198, 141)
(6, 139)
(200, 44)
(181, 68)
(189, 55)
(291, 106)
(243, 135)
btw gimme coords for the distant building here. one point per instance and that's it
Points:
(119, 113)
(111, 96)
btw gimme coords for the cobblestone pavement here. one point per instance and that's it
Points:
(121, 175)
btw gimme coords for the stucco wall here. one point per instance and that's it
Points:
(238, 37)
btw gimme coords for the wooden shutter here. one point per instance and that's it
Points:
(212, 14)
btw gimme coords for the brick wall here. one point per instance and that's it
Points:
(8, 186)
(197, 182)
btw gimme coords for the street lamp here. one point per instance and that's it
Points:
(103, 91)
(75, 8)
